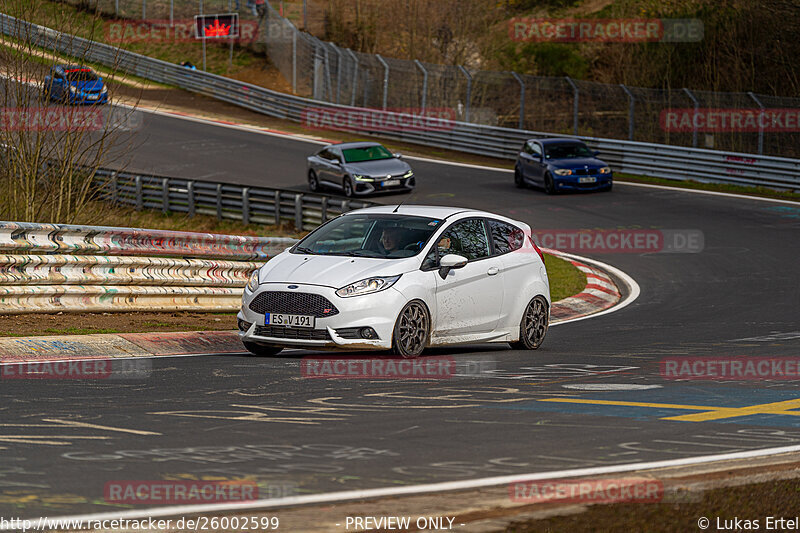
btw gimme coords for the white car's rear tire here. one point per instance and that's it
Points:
(533, 326)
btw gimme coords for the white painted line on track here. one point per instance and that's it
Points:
(330, 497)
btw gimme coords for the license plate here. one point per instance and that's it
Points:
(587, 180)
(92, 97)
(391, 183)
(294, 321)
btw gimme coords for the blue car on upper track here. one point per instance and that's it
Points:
(561, 165)
(73, 84)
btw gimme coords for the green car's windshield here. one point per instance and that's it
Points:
(370, 235)
(366, 153)
(567, 151)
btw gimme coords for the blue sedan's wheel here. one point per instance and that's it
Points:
(313, 182)
(549, 184)
(519, 181)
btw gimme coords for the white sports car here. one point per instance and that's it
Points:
(401, 278)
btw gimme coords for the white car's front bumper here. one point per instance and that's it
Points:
(378, 311)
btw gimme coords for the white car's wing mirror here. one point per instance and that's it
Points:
(449, 262)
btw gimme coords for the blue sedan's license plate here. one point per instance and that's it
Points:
(294, 321)
(587, 180)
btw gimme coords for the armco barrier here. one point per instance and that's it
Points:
(260, 205)
(58, 267)
(656, 160)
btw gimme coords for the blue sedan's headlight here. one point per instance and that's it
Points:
(605, 170)
(563, 172)
(367, 286)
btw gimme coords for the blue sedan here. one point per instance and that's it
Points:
(72, 84)
(561, 165)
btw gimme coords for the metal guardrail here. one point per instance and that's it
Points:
(93, 268)
(656, 160)
(260, 205)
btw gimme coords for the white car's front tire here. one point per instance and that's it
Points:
(412, 329)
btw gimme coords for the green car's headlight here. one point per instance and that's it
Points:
(367, 286)
(252, 283)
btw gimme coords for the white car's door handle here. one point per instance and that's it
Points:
(493, 271)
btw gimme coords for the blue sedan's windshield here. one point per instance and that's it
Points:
(366, 153)
(370, 235)
(567, 151)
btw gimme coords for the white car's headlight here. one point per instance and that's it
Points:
(563, 172)
(605, 170)
(367, 286)
(252, 283)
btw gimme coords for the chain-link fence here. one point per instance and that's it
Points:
(327, 72)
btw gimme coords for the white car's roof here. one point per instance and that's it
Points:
(432, 211)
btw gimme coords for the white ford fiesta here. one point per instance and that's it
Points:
(400, 278)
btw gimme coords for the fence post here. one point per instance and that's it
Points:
(317, 90)
(575, 104)
(760, 122)
(298, 212)
(144, 9)
(171, 13)
(424, 83)
(114, 184)
(521, 100)
(385, 79)
(329, 83)
(631, 104)
(246, 205)
(469, 91)
(277, 208)
(355, 77)
(139, 201)
(165, 195)
(190, 199)
(219, 201)
(324, 214)
(694, 116)
(294, 61)
(338, 72)
(116, 8)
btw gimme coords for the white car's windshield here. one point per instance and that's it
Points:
(375, 235)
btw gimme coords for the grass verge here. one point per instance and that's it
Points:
(565, 279)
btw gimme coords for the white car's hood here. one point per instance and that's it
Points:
(331, 270)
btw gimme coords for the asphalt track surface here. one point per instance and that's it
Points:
(237, 416)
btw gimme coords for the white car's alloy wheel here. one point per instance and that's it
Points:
(411, 330)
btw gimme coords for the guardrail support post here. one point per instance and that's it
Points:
(424, 83)
(277, 208)
(246, 205)
(469, 91)
(575, 104)
(190, 200)
(631, 110)
(298, 212)
(385, 79)
(345, 206)
(165, 195)
(219, 201)
(521, 99)
(324, 215)
(760, 123)
(355, 77)
(139, 201)
(694, 116)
